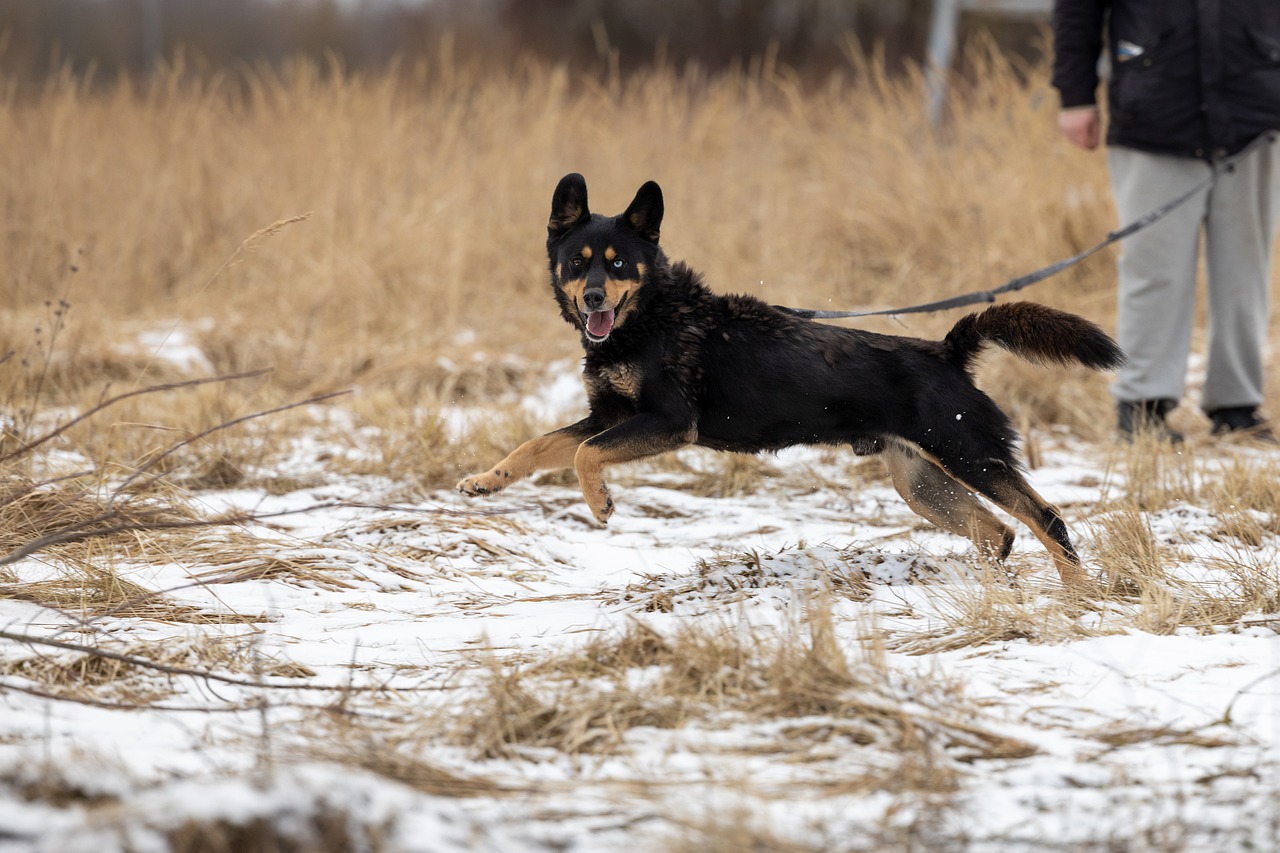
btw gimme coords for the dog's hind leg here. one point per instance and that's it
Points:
(1010, 491)
(1005, 486)
(553, 450)
(937, 496)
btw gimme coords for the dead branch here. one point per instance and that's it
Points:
(176, 446)
(111, 401)
(201, 709)
(84, 530)
(168, 669)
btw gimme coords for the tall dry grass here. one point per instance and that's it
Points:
(425, 193)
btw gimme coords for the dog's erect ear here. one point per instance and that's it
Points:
(568, 205)
(644, 214)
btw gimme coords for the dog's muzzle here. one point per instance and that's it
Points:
(597, 316)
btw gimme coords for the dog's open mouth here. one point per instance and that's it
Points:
(600, 324)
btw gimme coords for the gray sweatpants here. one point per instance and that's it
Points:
(1238, 215)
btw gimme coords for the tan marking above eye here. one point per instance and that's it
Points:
(586, 252)
(610, 254)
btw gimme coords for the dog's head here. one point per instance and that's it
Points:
(601, 264)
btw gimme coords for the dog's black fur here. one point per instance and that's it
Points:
(670, 363)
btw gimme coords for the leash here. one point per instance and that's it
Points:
(1225, 165)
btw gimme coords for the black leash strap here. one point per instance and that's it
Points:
(1224, 165)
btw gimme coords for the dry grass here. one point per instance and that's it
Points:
(993, 613)
(1248, 493)
(353, 229)
(732, 474)
(1142, 571)
(731, 575)
(1158, 474)
(326, 831)
(390, 750)
(592, 700)
(130, 675)
(1129, 555)
(734, 832)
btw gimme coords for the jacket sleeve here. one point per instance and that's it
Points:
(1077, 46)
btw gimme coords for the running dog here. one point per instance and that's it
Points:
(669, 363)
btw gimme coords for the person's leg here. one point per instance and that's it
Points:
(1157, 270)
(1239, 234)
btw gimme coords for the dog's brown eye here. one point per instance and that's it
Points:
(576, 262)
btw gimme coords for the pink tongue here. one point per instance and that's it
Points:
(600, 323)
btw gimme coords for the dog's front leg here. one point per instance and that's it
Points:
(553, 450)
(643, 435)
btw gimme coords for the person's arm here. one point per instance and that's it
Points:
(1077, 45)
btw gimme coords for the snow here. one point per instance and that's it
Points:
(173, 343)
(394, 614)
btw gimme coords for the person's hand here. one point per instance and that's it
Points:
(1082, 126)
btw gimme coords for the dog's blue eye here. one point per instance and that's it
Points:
(619, 263)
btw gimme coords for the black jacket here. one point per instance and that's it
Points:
(1197, 78)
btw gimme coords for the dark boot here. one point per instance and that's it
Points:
(1243, 421)
(1140, 416)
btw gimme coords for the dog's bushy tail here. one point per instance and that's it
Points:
(1036, 332)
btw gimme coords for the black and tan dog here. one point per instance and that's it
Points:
(669, 363)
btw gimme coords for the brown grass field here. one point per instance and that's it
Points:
(350, 232)
(383, 235)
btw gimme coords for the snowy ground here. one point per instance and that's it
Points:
(360, 664)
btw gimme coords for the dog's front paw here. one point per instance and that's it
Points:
(601, 504)
(484, 484)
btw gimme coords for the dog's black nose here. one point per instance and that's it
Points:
(593, 299)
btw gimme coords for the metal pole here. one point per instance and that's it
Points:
(152, 35)
(942, 42)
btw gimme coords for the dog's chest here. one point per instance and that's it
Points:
(624, 378)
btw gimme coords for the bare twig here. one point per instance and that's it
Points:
(30, 488)
(78, 533)
(168, 669)
(111, 706)
(1227, 713)
(176, 446)
(111, 401)
(200, 709)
